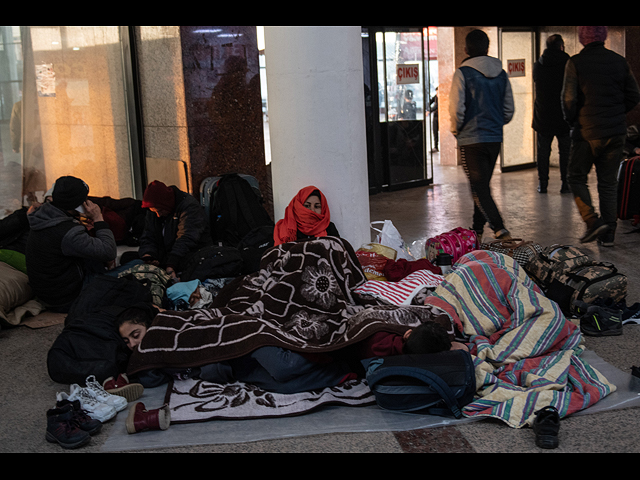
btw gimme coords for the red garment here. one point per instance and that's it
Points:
(381, 344)
(394, 271)
(296, 217)
(158, 195)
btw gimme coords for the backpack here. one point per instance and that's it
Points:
(435, 384)
(455, 242)
(252, 247)
(235, 208)
(89, 343)
(212, 262)
(566, 274)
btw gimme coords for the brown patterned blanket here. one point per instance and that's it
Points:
(302, 299)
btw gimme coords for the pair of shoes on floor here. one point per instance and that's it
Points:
(69, 425)
(630, 315)
(599, 320)
(597, 229)
(100, 404)
(142, 420)
(546, 427)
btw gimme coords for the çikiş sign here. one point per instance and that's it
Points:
(407, 73)
(515, 68)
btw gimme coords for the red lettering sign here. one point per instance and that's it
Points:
(407, 73)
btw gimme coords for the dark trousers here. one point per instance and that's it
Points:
(478, 161)
(544, 152)
(606, 154)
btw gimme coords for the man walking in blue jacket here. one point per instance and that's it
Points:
(480, 104)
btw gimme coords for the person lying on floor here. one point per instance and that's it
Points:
(307, 216)
(280, 370)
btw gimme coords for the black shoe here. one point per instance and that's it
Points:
(542, 188)
(565, 188)
(598, 228)
(606, 239)
(599, 321)
(62, 428)
(546, 427)
(81, 417)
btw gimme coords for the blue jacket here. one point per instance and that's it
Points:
(480, 102)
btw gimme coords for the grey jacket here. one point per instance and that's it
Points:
(480, 101)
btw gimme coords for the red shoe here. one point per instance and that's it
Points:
(120, 386)
(141, 420)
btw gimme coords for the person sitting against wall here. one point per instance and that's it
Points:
(307, 216)
(175, 227)
(61, 254)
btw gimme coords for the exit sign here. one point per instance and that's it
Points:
(515, 68)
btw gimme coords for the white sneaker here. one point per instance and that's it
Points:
(115, 401)
(89, 402)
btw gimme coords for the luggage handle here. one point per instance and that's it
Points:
(429, 378)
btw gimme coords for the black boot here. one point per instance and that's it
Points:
(542, 187)
(62, 428)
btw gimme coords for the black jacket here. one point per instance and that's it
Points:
(548, 75)
(171, 239)
(599, 89)
(59, 250)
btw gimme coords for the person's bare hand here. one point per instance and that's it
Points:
(93, 211)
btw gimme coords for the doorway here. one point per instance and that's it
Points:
(400, 70)
(518, 53)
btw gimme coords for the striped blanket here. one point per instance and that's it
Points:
(403, 291)
(526, 353)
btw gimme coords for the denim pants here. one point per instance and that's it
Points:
(478, 161)
(544, 151)
(606, 154)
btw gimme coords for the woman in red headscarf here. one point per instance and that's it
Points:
(307, 216)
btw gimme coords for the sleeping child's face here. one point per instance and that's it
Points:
(132, 333)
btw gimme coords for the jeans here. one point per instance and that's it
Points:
(544, 151)
(606, 154)
(479, 160)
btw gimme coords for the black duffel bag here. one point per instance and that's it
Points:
(212, 262)
(435, 383)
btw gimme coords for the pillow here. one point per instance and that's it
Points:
(14, 291)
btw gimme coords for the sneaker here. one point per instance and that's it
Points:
(546, 426)
(601, 322)
(81, 417)
(116, 401)
(631, 315)
(89, 402)
(606, 239)
(63, 430)
(121, 386)
(503, 234)
(598, 228)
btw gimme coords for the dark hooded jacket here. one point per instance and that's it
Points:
(599, 89)
(548, 75)
(58, 253)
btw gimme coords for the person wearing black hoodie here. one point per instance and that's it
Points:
(61, 254)
(548, 122)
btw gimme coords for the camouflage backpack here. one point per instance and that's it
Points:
(565, 274)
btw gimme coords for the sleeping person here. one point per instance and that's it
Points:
(307, 216)
(281, 370)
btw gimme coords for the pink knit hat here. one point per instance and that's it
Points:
(588, 35)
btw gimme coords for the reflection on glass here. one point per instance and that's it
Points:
(72, 113)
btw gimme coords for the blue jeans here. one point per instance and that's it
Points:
(606, 154)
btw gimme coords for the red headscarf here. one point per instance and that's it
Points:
(296, 217)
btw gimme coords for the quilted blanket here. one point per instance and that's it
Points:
(526, 353)
(302, 299)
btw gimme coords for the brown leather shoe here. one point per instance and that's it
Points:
(120, 386)
(141, 420)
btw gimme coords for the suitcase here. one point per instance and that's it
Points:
(629, 189)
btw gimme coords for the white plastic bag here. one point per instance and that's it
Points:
(390, 237)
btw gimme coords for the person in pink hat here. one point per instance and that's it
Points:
(598, 91)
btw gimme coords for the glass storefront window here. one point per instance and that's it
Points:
(68, 84)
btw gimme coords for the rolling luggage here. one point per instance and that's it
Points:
(629, 189)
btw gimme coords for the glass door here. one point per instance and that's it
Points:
(398, 119)
(517, 52)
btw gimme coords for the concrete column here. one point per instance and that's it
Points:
(317, 121)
